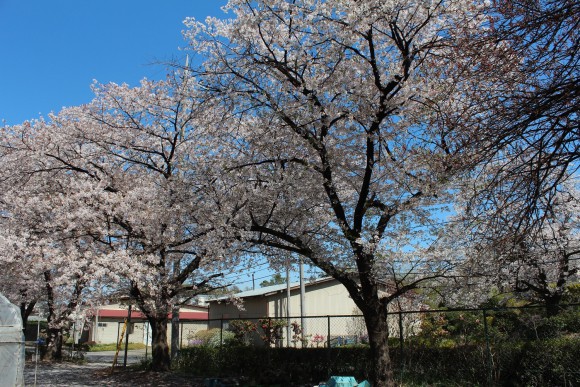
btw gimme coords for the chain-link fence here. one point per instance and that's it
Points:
(494, 346)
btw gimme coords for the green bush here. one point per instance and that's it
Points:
(551, 362)
(226, 338)
(199, 361)
(265, 365)
(467, 327)
(526, 348)
(213, 338)
(113, 347)
(533, 363)
(242, 329)
(204, 336)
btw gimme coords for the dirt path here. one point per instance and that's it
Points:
(99, 374)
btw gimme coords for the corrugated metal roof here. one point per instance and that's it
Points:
(270, 289)
(265, 290)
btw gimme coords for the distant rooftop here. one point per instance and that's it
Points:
(271, 289)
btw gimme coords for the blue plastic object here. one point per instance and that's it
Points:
(341, 381)
(216, 382)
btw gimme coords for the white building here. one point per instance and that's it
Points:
(107, 324)
(323, 298)
(330, 314)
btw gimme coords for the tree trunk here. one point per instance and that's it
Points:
(54, 341)
(25, 311)
(381, 368)
(161, 361)
(553, 304)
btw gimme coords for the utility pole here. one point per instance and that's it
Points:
(175, 333)
(288, 327)
(302, 299)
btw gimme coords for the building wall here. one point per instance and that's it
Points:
(330, 315)
(188, 330)
(106, 330)
(110, 329)
(325, 298)
(322, 299)
(254, 307)
(329, 298)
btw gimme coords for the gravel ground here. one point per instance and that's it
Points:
(97, 372)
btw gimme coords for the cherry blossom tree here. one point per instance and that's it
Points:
(168, 225)
(48, 261)
(533, 140)
(537, 261)
(330, 114)
(20, 285)
(525, 158)
(142, 183)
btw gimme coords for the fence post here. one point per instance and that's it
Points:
(401, 343)
(271, 333)
(118, 326)
(328, 351)
(221, 352)
(328, 331)
(181, 335)
(487, 350)
(221, 332)
(146, 339)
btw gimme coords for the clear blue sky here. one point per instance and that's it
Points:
(51, 50)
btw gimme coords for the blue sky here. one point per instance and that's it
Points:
(51, 50)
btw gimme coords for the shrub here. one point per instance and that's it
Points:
(226, 338)
(551, 362)
(273, 330)
(113, 347)
(242, 329)
(264, 365)
(199, 361)
(204, 336)
(534, 363)
(526, 348)
(211, 338)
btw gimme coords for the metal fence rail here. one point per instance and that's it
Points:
(338, 330)
(477, 341)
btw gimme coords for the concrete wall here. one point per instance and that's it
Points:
(106, 329)
(321, 299)
(254, 307)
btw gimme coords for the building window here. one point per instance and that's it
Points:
(102, 325)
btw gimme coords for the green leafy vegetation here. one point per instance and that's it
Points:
(113, 347)
(520, 347)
